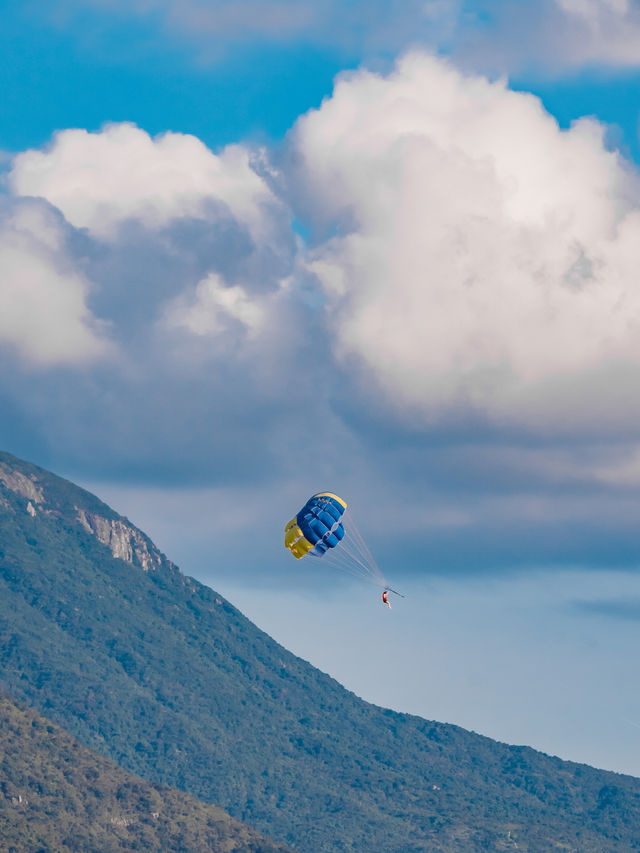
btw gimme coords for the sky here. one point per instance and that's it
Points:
(253, 250)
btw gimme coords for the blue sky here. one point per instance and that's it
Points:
(253, 250)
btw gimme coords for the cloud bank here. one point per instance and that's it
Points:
(460, 325)
(552, 37)
(214, 26)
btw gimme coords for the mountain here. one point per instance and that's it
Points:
(58, 795)
(105, 636)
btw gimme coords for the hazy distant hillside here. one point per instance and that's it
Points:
(168, 679)
(56, 795)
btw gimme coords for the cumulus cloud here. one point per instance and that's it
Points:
(211, 305)
(187, 254)
(466, 255)
(170, 233)
(44, 315)
(484, 257)
(101, 180)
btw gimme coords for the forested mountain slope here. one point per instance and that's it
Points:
(58, 795)
(104, 635)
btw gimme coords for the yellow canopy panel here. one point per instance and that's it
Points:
(294, 539)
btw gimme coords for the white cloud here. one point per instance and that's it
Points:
(593, 11)
(600, 32)
(554, 36)
(491, 259)
(174, 236)
(43, 310)
(211, 305)
(100, 180)
(215, 25)
(276, 19)
(623, 470)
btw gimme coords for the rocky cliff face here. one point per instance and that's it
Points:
(27, 487)
(35, 496)
(125, 541)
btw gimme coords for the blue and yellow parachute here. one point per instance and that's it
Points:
(324, 528)
(317, 527)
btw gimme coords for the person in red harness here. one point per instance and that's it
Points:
(385, 598)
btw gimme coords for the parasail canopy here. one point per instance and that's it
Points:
(324, 528)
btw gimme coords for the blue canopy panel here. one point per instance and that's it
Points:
(319, 522)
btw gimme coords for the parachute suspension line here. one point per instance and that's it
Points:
(347, 550)
(362, 548)
(345, 565)
(353, 556)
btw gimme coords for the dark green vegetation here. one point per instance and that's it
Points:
(58, 795)
(163, 676)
